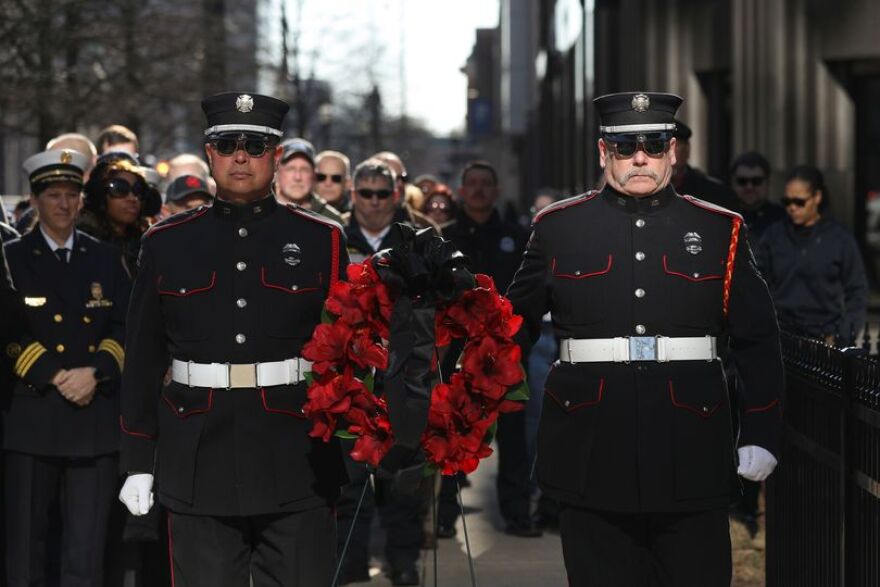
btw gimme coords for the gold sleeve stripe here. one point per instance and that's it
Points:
(28, 357)
(115, 349)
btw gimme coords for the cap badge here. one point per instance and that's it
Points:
(244, 103)
(693, 243)
(291, 252)
(66, 157)
(641, 103)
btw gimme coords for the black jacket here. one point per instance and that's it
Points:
(206, 276)
(816, 277)
(75, 316)
(709, 189)
(358, 247)
(647, 436)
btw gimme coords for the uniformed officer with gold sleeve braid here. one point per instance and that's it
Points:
(649, 291)
(61, 425)
(227, 296)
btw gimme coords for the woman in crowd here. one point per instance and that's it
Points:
(439, 205)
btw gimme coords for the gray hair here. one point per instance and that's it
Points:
(374, 168)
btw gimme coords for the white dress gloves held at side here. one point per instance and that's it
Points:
(755, 463)
(137, 494)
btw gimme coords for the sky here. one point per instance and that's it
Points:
(345, 40)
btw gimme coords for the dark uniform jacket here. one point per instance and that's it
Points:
(494, 248)
(816, 277)
(12, 327)
(709, 189)
(229, 284)
(75, 316)
(647, 436)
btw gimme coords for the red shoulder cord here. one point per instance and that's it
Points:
(731, 261)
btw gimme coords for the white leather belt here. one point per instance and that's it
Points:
(236, 376)
(626, 349)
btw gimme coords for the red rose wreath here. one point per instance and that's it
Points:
(352, 342)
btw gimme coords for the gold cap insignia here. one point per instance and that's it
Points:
(641, 103)
(244, 103)
(66, 157)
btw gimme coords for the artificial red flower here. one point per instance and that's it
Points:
(329, 345)
(492, 366)
(365, 352)
(372, 446)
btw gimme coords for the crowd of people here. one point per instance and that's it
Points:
(76, 248)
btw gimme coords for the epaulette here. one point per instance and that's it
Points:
(711, 207)
(566, 203)
(176, 220)
(313, 216)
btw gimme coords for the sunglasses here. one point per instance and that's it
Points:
(625, 149)
(438, 206)
(368, 194)
(335, 178)
(752, 181)
(253, 145)
(121, 188)
(799, 202)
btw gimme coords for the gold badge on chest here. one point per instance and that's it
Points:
(98, 300)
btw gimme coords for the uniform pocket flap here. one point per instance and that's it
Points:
(696, 269)
(284, 399)
(289, 280)
(572, 389)
(185, 401)
(581, 267)
(699, 399)
(185, 286)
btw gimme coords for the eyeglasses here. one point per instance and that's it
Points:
(799, 202)
(625, 149)
(752, 181)
(120, 188)
(253, 145)
(335, 178)
(368, 194)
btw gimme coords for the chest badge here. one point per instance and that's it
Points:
(507, 245)
(98, 300)
(693, 243)
(291, 253)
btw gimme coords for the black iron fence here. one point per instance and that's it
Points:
(823, 501)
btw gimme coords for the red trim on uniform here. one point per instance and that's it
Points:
(571, 408)
(189, 292)
(731, 262)
(688, 277)
(131, 432)
(188, 414)
(160, 227)
(170, 549)
(564, 204)
(689, 408)
(281, 287)
(582, 276)
(334, 257)
(266, 407)
(766, 408)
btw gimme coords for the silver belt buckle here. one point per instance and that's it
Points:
(642, 348)
(242, 375)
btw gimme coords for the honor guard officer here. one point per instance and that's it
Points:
(227, 296)
(648, 290)
(60, 427)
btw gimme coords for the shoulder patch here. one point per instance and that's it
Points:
(176, 220)
(313, 216)
(710, 207)
(563, 204)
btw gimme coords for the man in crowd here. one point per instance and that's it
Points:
(60, 429)
(647, 290)
(333, 179)
(495, 248)
(187, 192)
(375, 201)
(117, 138)
(750, 178)
(79, 143)
(688, 180)
(295, 179)
(228, 295)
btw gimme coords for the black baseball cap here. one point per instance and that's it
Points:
(186, 185)
(298, 146)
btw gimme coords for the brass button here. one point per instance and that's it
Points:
(566, 403)
(182, 290)
(60, 348)
(705, 410)
(294, 287)
(241, 302)
(640, 293)
(57, 318)
(640, 329)
(87, 320)
(91, 348)
(241, 265)
(640, 256)
(640, 223)
(240, 338)
(181, 410)
(696, 275)
(578, 272)
(242, 232)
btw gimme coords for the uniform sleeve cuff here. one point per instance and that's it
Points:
(137, 451)
(36, 365)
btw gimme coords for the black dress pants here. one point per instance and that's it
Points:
(296, 549)
(83, 490)
(609, 549)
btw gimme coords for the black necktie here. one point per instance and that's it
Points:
(62, 254)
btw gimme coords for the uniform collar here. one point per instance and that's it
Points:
(643, 205)
(53, 246)
(245, 212)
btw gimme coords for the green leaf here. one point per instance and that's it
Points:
(369, 381)
(520, 394)
(345, 434)
(310, 377)
(490, 433)
(327, 317)
(429, 469)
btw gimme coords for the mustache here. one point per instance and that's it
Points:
(639, 173)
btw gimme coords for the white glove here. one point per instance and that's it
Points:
(755, 463)
(136, 493)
